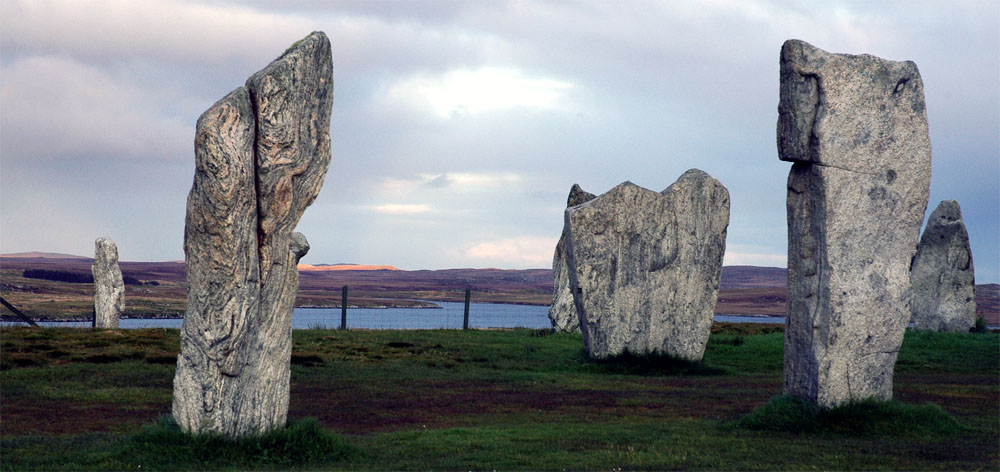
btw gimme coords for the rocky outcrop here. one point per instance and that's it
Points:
(109, 288)
(943, 277)
(562, 312)
(645, 266)
(261, 154)
(855, 129)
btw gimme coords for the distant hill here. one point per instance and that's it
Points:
(329, 267)
(43, 255)
(753, 277)
(372, 276)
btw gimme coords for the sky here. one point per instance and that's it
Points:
(459, 127)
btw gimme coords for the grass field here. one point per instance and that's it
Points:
(78, 399)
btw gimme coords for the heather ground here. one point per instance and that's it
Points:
(76, 399)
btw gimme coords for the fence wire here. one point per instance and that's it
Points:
(450, 315)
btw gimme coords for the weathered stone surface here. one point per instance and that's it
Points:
(109, 289)
(261, 154)
(562, 312)
(942, 275)
(856, 130)
(645, 266)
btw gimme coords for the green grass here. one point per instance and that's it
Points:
(80, 399)
(163, 446)
(953, 352)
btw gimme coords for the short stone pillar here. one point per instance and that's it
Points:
(109, 288)
(943, 276)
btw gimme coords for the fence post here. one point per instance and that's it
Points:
(343, 308)
(465, 322)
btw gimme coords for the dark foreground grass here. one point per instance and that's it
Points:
(163, 446)
(630, 363)
(80, 399)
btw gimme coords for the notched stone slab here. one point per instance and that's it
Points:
(645, 266)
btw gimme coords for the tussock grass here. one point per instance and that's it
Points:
(302, 443)
(864, 418)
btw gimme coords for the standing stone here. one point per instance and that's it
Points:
(562, 312)
(109, 289)
(261, 154)
(645, 266)
(943, 278)
(856, 131)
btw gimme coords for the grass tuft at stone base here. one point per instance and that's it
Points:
(301, 443)
(865, 418)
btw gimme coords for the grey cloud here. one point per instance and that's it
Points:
(661, 87)
(440, 181)
(60, 108)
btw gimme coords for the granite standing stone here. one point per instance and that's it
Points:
(855, 129)
(261, 154)
(562, 312)
(645, 266)
(109, 288)
(943, 277)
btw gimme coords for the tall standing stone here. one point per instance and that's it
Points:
(645, 266)
(562, 312)
(943, 277)
(109, 288)
(261, 154)
(855, 129)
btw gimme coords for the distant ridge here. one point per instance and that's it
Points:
(44, 255)
(333, 267)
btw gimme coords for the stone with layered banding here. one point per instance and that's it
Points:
(943, 276)
(261, 154)
(645, 266)
(855, 129)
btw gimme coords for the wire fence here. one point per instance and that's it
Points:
(447, 315)
(444, 315)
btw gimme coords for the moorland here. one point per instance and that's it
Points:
(83, 399)
(744, 290)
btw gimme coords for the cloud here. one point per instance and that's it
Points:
(522, 251)
(476, 91)
(401, 209)
(464, 182)
(750, 255)
(470, 180)
(59, 107)
(162, 29)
